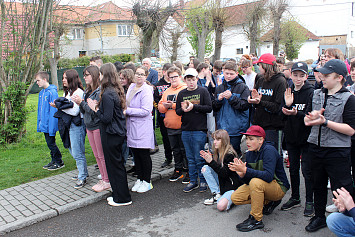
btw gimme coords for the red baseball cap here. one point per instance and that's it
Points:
(255, 130)
(266, 58)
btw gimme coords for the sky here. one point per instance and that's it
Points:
(120, 3)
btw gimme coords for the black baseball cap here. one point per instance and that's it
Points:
(334, 65)
(300, 66)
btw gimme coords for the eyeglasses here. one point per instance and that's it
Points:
(140, 74)
(85, 75)
(173, 78)
(244, 67)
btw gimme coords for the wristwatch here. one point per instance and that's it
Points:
(325, 123)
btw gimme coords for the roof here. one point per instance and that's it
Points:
(268, 37)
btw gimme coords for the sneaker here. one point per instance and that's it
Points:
(309, 209)
(115, 204)
(316, 223)
(96, 166)
(55, 166)
(213, 199)
(177, 175)
(102, 187)
(99, 176)
(165, 164)
(48, 165)
(144, 187)
(80, 183)
(203, 187)
(270, 207)
(136, 185)
(250, 224)
(191, 186)
(75, 178)
(292, 203)
(331, 208)
(109, 199)
(96, 186)
(186, 179)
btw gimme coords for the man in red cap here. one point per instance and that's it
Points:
(264, 176)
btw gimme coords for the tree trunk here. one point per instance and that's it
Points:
(147, 43)
(175, 46)
(254, 34)
(54, 72)
(218, 43)
(277, 31)
(201, 46)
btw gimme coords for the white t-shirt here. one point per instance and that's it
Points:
(250, 80)
(75, 110)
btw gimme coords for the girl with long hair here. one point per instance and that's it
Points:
(140, 133)
(109, 110)
(220, 179)
(92, 80)
(126, 78)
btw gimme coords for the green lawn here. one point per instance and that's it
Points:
(22, 162)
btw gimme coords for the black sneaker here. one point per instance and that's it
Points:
(48, 165)
(96, 166)
(316, 223)
(186, 179)
(308, 209)
(270, 207)
(55, 166)
(177, 175)
(165, 164)
(80, 183)
(250, 224)
(292, 203)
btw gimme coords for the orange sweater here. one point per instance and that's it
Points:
(171, 120)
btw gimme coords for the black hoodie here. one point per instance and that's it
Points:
(296, 133)
(267, 112)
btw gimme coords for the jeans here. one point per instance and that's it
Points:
(125, 150)
(235, 142)
(272, 137)
(211, 178)
(227, 195)
(96, 146)
(55, 152)
(194, 142)
(211, 126)
(341, 225)
(77, 148)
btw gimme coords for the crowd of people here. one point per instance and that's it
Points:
(205, 112)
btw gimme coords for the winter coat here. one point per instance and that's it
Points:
(46, 123)
(90, 119)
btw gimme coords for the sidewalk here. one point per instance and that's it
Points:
(36, 201)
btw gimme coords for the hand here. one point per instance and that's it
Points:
(52, 104)
(255, 94)
(316, 76)
(238, 166)
(253, 101)
(206, 155)
(227, 94)
(168, 104)
(184, 105)
(92, 104)
(343, 200)
(221, 96)
(190, 106)
(124, 112)
(288, 97)
(314, 118)
(293, 111)
(76, 99)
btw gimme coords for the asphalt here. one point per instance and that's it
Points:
(29, 203)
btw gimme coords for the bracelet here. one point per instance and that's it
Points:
(325, 123)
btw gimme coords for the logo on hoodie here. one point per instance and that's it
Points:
(268, 92)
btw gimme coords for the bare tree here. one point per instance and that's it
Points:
(277, 8)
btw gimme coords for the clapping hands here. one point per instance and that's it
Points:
(206, 155)
(187, 106)
(255, 97)
(238, 166)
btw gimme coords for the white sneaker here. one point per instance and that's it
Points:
(115, 204)
(144, 187)
(212, 200)
(136, 185)
(109, 199)
(331, 208)
(328, 186)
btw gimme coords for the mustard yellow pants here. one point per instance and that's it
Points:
(257, 193)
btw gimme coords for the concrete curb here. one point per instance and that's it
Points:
(96, 197)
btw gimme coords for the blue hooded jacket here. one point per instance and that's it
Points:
(46, 123)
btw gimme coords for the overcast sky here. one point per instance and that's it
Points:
(120, 3)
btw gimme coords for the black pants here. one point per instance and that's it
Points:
(179, 152)
(333, 163)
(353, 164)
(294, 153)
(164, 133)
(143, 163)
(55, 152)
(112, 147)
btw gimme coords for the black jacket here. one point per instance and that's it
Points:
(228, 180)
(296, 132)
(267, 112)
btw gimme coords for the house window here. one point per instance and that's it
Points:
(268, 46)
(240, 51)
(78, 33)
(82, 54)
(124, 30)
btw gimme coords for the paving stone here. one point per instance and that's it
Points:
(44, 207)
(60, 202)
(9, 207)
(37, 202)
(4, 213)
(31, 197)
(48, 202)
(26, 202)
(32, 207)
(4, 202)
(15, 213)
(9, 219)
(21, 208)
(27, 213)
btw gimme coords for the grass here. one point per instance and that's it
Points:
(22, 162)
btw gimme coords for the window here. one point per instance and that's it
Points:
(124, 30)
(268, 46)
(78, 33)
(240, 51)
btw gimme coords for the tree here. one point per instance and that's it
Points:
(277, 8)
(292, 37)
(23, 35)
(198, 20)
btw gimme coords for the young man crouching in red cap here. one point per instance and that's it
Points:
(264, 176)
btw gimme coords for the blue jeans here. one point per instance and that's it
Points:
(194, 142)
(125, 150)
(341, 225)
(211, 178)
(77, 148)
(228, 196)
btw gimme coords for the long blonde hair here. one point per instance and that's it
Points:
(226, 147)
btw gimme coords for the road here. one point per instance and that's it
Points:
(167, 211)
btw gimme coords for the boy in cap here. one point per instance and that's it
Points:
(193, 104)
(264, 176)
(331, 114)
(296, 134)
